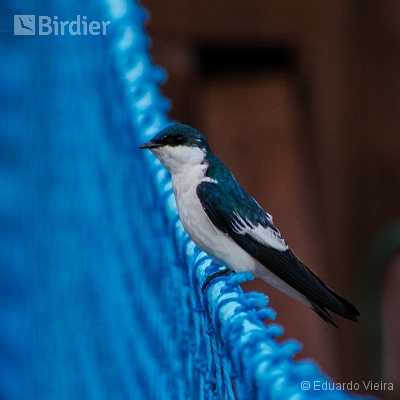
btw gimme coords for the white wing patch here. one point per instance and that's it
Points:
(208, 179)
(263, 235)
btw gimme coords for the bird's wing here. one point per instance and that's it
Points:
(252, 229)
(234, 212)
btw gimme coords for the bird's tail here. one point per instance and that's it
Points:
(322, 313)
(336, 304)
(345, 308)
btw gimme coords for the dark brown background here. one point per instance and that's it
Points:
(310, 125)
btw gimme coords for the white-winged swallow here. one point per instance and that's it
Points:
(224, 221)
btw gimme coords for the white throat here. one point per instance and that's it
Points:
(180, 159)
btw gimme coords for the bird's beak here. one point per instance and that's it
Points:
(150, 145)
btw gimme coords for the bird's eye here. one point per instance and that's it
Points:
(176, 140)
(179, 139)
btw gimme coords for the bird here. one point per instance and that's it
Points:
(230, 226)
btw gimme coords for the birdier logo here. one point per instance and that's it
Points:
(25, 25)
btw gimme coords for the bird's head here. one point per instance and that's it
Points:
(178, 147)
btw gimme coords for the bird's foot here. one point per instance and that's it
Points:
(222, 272)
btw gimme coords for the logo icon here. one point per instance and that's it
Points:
(24, 24)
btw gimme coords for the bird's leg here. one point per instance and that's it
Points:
(222, 272)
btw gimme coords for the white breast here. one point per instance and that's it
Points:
(196, 223)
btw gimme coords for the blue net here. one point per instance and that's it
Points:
(100, 287)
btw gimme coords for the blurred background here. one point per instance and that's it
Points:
(301, 99)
